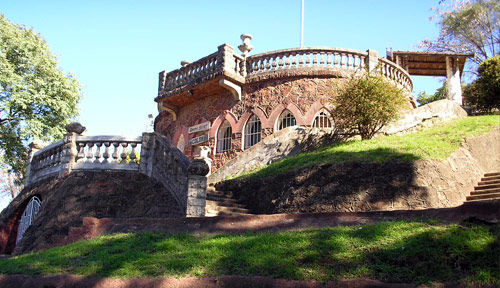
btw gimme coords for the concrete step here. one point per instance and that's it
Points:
(211, 203)
(229, 210)
(486, 187)
(488, 182)
(490, 196)
(213, 213)
(491, 174)
(222, 199)
(484, 192)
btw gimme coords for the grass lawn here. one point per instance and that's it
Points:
(435, 143)
(409, 252)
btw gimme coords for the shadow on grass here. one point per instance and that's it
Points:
(404, 252)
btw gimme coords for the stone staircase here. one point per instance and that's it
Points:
(220, 204)
(488, 189)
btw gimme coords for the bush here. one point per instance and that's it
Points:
(367, 104)
(483, 95)
(441, 93)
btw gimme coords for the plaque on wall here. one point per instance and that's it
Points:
(200, 127)
(198, 140)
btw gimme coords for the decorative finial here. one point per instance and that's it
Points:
(245, 47)
(75, 127)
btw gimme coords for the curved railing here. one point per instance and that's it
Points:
(397, 74)
(311, 57)
(47, 161)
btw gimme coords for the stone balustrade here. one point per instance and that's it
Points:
(297, 58)
(107, 152)
(309, 60)
(152, 154)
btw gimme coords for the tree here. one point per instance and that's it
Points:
(367, 104)
(36, 98)
(441, 93)
(468, 26)
(483, 95)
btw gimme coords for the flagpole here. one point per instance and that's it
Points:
(302, 26)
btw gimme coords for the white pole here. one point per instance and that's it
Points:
(302, 26)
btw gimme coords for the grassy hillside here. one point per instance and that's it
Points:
(409, 252)
(434, 143)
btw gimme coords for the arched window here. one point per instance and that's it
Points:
(252, 131)
(286, 119)
(322, 121)
(224, 137)
(28, 216)
(181, 143)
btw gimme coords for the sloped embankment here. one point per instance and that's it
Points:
(369, 186)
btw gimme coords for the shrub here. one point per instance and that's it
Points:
(483, 95)
(367, 104)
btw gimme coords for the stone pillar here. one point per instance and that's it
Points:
(35, 146)
(453, 75)
(372, 60)
(196, 188)
(147, 153)
(225, 58)
(70, 151)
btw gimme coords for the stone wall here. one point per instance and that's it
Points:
(355, 186)
(96, 194)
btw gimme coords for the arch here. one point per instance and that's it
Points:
(244, 119)
(182, 130)
(224, 136)
(299, 117)
(181, 143)
(218, 121)
(313, 111)
(286, 119)
(28, 216)
(322, 120)
(253, 132)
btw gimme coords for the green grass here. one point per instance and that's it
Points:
(409, 252)
(435, 143)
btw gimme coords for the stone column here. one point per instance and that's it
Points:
(35, 146)
(147, 153)
(196, 188)
(372, 60)
(70, 151)
(453, 75)
(225, 58)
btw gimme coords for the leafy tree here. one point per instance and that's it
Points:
(483, 95)
(441, 93)
(366, 104)
(468, 26)
(36, 98)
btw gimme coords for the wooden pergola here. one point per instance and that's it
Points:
(450, 65)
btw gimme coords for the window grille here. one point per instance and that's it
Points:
(252, 131)
(224, 137)
(28, 216)
(322, 121)
(286, 119)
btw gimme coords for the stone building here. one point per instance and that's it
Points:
(224, 103)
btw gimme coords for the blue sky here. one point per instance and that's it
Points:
(117, 48)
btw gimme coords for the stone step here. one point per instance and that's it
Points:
(213, 213)
(220, 194)
(222, 199)
(229, 210)
(486, 187)
(490, 196)
(492, 178)
(492, 174)
(487, 182)
(483, 192)
(211, 203)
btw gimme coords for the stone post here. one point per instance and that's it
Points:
(371, 61)
(70, 150)
(196, 188)
(453, 75)
(35, 146)
(225, 58)
(147, 153)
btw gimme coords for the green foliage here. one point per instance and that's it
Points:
(441, 93)
(468, 27)
(483, 95)
(399, 251)
(366, 104)
(435, 143)
(36, 98)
